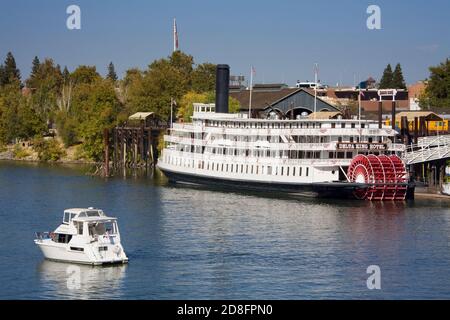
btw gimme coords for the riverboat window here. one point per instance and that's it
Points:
(333, 125)
(331, 155)
(287, 171)
(300, 171)
(363, 125)
(269, 170)
(282, 170)
(293, 171)
(307, 171)
(370, 140)
(343, 125)
(353, 125)
(340, 155)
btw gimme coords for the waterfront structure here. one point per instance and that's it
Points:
(86, 236)
(309, 156)
(134, 143)
(286, 102)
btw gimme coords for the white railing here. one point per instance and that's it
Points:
(266, 145)
(253, 160)
(428, 149)
(246, 131)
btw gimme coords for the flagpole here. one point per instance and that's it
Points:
(251, 92)
(315, 89)
(359, 107)
(171, 113)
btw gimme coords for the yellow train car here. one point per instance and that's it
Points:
(434, 122)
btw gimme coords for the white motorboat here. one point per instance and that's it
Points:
(86, 236)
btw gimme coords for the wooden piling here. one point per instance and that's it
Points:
(135, 146)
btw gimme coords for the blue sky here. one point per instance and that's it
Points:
(282, 39)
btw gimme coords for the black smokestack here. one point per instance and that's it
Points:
(222, 87)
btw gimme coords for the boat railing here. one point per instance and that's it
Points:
(43, 235)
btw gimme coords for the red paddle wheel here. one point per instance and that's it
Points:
(385, 175)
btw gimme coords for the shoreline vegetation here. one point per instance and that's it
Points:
(57, 115)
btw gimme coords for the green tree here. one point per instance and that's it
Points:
(34, 69)
(46, 83)
(111, 73)
(85, 74)
(437, 92)
(2, 75)
(386, 81)
(94, 108)
(18, 119)
(66, 74)
(398, 82)
(163, 80)
(204, 77)
(10, 71)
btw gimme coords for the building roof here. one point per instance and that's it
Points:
(140, 116)
(325, 115)
(266, 98)
(261, 99)
(429, 115)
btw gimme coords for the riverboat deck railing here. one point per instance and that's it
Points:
(428, 149)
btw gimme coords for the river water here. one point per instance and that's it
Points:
(187, 243)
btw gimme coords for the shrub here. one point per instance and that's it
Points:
(67, 128)
(19, 152)
(79, 153)
(48, 150)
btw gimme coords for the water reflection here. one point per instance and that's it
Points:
(197, 243)
(70, 281)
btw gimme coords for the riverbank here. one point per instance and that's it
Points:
(24, 152)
